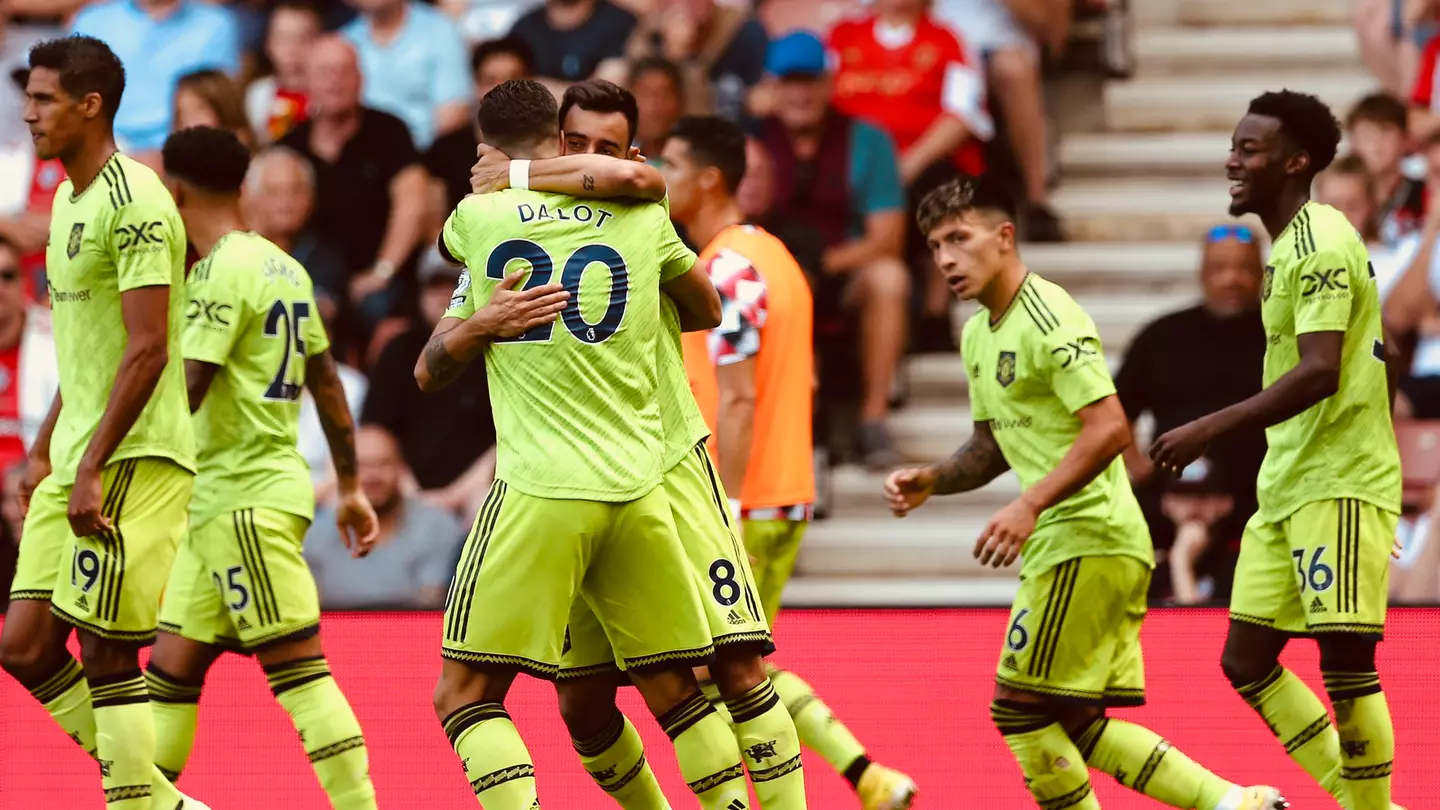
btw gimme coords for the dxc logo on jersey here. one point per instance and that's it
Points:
(145, 233)
(1322, 280)
(211, 311)
(1076, 349)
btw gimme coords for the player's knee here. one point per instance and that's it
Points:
(737, 669)
(1241, 668)
(23, 658)
(1347, 653)
(586, 709)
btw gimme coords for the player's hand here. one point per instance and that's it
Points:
(86, 499)
(491, 171)
(510, 313)
(906, 489)
(356, 519)
(36, 470)
(1000, 542)
(634, 155)
(1176, 449)
(363, 285)
(1397, 548)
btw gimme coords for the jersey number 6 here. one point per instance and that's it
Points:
(542, 267)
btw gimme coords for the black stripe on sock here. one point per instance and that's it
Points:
(785, 768)
(1090, 736)
(601, 742)
(1310, 732)
(471, 714)
(166, 688)
(290, 675)
(856, 769)
(172, 776)
(628, 777)
(754, 703)
(125, 792)
(1013, 717)
(336, 749)
(1070, 799)
(1351, 685)
(705, 784)
(1251, 692)
(1378, 771)
(59, 682)
(1152, 763)
(685, 714)
(500, 777)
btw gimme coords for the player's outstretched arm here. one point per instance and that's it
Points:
(696, 300)
(354, 515)
(977, 463)
(457, 341)
(198, 376)
(595, 176)
(1314, 378)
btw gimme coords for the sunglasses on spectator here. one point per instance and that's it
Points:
(1239, 233)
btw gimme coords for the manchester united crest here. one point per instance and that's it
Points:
(1269, 281)
(1005, 369)
(77, 235)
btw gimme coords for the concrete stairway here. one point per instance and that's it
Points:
(1137, 197)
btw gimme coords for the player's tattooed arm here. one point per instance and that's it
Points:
(441, 364)
(198, 376)
(977, 463)
(598, 176)
(323, 379)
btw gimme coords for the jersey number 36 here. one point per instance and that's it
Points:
(542, 269)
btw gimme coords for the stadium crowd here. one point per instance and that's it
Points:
(361, 116)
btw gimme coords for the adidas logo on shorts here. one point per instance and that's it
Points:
(1009, 662)
(1317, 606)
(735, 618)
(241, 624)
(82, 602)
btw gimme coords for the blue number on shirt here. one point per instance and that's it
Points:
(281, 388)
(542, 267)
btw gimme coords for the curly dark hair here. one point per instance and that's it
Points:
(208, 158)
(1305, 121)
(961, 195)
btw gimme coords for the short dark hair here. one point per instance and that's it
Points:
(208, 158)
(600, 96)
(1378, 108)
(659, 64)
(959, 196)
(714, 141)
(511, 45)
(518, 113)
(1305, 121)
(86, 65)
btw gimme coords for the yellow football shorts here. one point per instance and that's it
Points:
(1324, 569)
(108, 585)
(1074, 632)
(774, 544)
(717, 562)
(527, 559)
(240, 582)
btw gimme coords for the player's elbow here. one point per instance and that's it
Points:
(427, 383)
(1324, 380)
(640, 181)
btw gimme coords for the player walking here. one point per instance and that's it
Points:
(1314, 558)
(253, 342)
(112, 466)
(577, 504)
(1045, 406)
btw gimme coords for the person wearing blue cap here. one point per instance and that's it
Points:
(839, 177)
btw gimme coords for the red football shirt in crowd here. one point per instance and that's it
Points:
(47, 177)
(12, 446)
(287, 110)
(903, 79)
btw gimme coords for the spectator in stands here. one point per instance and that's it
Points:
(14, 67)
(660, 93)
(839, 177)
(449, 159)
(28, 376)
(1347, 186)
(448, 437)
(413, 61)
(370, 188)
(279, 199)
(412, 559)
(12, 518)
(159, 41)
(209, 98)
(29, 183)
(1184, 365)
(1385, 30)
(1375, 127)
(573, 39)
(1411, 315)
(277, 102)
(720, 50)
(1011, 58)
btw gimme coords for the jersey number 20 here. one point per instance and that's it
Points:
(281, 323)
(542, 268)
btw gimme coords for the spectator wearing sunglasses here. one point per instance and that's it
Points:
(1180, 367)
(28, 376)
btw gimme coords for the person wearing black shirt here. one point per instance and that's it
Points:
(573, 38)
(1180, 367)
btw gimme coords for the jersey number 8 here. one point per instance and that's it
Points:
(542, 267)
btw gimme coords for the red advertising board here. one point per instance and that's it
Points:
(913, 685)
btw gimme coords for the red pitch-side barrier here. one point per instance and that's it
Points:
(914, 685)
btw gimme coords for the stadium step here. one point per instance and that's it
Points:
(1150, 209)
(1205, 102)
(1191, 49)
(921, 591)
(885, 546)
(1242, 12)
(1148, 266)
(860, 493)
(1118, 154)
